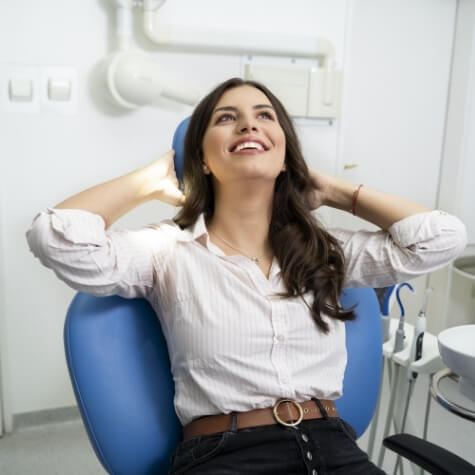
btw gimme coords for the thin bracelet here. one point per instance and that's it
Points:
(355, 198)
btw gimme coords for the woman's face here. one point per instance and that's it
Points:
(244, 139)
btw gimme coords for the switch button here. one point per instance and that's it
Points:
(59, 89)
(21, 90)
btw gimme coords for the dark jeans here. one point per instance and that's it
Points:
(324, 446)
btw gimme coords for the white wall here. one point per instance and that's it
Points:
(453, 304)
(458, 171)
(396, 62)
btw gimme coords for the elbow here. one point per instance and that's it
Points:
(427, 257)
(458, 233)
(36, 237)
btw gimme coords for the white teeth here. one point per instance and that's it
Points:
(248, 145)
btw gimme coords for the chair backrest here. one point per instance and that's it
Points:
(364, 345)
(120, 372)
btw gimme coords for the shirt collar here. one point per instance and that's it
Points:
(199, 232)
(195, 231)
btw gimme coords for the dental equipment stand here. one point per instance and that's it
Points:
(416, 353)
(429, 363)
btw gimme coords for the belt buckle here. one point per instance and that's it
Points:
(279, 420)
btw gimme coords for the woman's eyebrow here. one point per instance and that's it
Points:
(234, 109)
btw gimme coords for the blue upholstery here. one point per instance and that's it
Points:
(364, 345)
(120, 372)
(178, 144)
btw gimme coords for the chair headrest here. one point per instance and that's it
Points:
(178, 144)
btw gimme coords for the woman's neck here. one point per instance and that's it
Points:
(247, 230)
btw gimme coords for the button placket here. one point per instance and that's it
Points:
(278, 354)
(306, 449)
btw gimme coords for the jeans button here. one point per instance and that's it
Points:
(309, 455)
(304, 437)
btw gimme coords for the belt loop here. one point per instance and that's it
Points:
(234, 423)
(320, 406)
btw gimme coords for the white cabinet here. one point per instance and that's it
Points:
(396, 76)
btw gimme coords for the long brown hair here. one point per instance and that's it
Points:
(310, 258)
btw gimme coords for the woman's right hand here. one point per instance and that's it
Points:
(161, 179)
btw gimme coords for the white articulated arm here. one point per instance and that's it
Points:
(234, 41)
(135, 79)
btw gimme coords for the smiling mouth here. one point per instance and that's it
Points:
(249, 144)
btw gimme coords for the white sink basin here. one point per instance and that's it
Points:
(457, 350)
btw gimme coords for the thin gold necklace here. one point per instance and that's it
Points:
(255, 259)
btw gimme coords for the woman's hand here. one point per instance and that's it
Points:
(162, 182)
(322, 184)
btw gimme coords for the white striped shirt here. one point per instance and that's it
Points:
(232, 346)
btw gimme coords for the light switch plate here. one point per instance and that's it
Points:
(23, 72)
(67, 107)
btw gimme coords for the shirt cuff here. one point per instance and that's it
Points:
(78, 226)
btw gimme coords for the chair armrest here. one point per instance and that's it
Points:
(430, 457)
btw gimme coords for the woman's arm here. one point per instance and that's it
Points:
(414, 240)
(381, 209)
(71, 239)
(116, 197)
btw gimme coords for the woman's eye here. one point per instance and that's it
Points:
(225, 115)
(267, 114)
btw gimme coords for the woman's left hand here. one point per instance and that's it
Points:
(321, 188)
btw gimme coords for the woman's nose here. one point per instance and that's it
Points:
(245, 129)
(247, 124)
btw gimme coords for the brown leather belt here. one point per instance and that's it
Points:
(287, 412)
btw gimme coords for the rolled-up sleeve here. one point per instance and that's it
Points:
(76, 246)
(413, 246)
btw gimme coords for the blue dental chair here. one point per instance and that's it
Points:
(120, 371)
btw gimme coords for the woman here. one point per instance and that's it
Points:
(246, 282)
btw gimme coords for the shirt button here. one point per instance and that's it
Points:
(309, 455)
(281, 337)
(314, 472)
(304, 437)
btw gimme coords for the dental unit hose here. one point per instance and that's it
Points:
(400, 335)
(385, 320)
